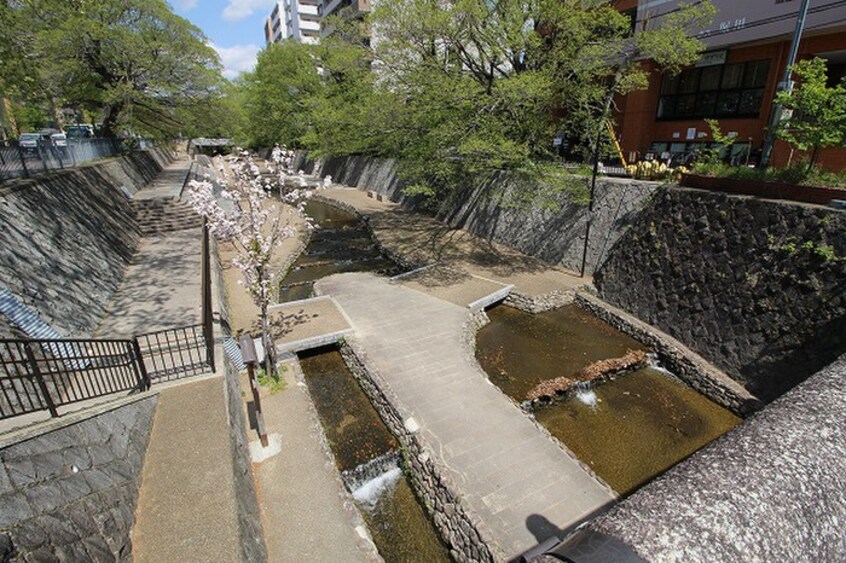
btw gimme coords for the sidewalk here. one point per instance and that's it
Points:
(301, 496)
(186, 509)
(161, 287)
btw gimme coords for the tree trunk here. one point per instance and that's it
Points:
(269, 346)
(110, 120)
(814, 154)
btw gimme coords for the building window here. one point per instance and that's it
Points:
(732, 90)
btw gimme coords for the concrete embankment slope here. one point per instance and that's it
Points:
(68, 236)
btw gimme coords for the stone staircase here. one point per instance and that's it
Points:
(164, 215)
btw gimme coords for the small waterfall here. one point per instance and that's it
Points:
(583, 391)
(654, 363)
(359, 477)
(369, 493)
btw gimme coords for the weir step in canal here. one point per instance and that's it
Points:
(369, 459)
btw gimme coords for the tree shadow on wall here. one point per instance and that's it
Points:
(782, 365)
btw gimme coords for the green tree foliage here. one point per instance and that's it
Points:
(818, 110)
(457, 88)
(279, 94)
(133, 62)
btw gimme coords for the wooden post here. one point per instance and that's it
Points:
(248, 351)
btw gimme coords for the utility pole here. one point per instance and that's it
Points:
(786, 85)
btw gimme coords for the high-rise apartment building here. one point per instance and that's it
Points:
(293, 19)
(330, 7)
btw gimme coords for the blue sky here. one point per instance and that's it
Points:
(234, 27)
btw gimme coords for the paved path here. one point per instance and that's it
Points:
(520, 483)
(186, 507)
(299, 490)
(168, 182)
(424, 240)
(161, 287)
(305, 324)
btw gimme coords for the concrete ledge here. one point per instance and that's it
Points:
(314, 342)
(488, 300)
(769, 490)
(83, 413)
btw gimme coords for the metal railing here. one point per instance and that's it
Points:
(23, 162)
(38, 375)
(175, 353)
(46, 374)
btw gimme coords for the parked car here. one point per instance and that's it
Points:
(80, 131)
(59, 140)
(28, 142)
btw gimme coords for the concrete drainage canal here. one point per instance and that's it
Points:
(340, 243)
(598, 392)
(370, 461)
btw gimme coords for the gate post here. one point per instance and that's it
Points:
(206, 288)
(36, 373)
(140, 368)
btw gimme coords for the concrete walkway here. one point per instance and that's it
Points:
(299, 490)
(521, 484)
(186, 508)
(168, 183)
(161, 287)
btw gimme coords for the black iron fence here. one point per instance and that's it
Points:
(38, 375)
(46, 374)
(176, 353)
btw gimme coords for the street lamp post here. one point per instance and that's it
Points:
(786, 85)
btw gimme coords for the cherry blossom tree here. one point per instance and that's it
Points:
(244, 215)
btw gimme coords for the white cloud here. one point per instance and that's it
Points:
(237, 59)
(185, 5)
(237, 10)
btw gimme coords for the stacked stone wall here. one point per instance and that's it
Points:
(69, 494)
(550, 226)
(68, 236)
(757, 287)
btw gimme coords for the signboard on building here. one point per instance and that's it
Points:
(712, 58)
(746, 21)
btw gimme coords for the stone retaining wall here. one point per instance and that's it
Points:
(548, 226)
(68, 236)
(676, 357)
(69, 494)
(757, 287)
(467, 537)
